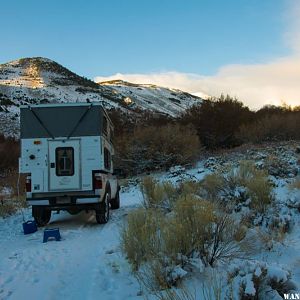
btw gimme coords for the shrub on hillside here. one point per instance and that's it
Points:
(139, 239)
(149, 148)
(279, 167)
(217, 120)
(9, 200)
(158, 195)
(258, 280)
(9, 153)
(245, 185)
(271, 127)
(164, 242)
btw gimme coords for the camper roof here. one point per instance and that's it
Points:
(61, 120)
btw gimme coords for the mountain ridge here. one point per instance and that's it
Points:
(41, 80)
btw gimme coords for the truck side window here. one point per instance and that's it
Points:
(107, 159)
(105, 125)
(64, 157)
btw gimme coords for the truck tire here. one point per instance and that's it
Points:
(115, 203)
(102, 212)
(41, 215)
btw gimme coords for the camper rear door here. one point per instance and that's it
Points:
(64, 165)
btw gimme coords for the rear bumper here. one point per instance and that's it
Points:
(48, 202)
(66, 199)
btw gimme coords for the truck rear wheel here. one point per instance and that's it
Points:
(115, 203)
(102, 212)
(41, 215)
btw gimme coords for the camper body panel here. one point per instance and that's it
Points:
(72, 172)
(39, 155)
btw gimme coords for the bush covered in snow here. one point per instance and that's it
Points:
(175, 229)
(243, 186)
(253, 280)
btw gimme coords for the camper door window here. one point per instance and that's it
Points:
(64, 161)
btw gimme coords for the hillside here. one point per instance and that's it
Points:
(41, 80)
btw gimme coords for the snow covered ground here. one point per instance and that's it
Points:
(88, 262)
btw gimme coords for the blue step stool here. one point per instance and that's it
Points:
(29, 227)
(51, 233)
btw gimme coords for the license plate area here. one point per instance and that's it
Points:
(63, 200)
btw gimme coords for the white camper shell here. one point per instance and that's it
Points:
(66, 153)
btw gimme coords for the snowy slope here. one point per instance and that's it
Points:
(41, 80)
(152, 97)
(88, 262)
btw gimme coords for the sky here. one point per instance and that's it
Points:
(246, 48)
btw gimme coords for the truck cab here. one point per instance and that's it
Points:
(66, 154)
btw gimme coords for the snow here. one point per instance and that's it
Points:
(89, 264)
(249, 289)
(86, 264)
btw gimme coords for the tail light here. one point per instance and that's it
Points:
(97, 180)
(28, 183)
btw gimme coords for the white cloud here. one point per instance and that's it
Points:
(274, 82)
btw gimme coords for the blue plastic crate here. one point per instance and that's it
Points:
(29, 227)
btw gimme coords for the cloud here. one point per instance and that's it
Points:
(274, 82)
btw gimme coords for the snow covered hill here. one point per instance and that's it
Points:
(152, 97)
(41, 80)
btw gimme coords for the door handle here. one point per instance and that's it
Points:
(52, 165)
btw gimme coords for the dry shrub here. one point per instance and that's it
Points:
(271, 128)
(139, 239)
(158, 195)
(153, 276)
(175, 228)
(198, 228)
(260, 193)
(246, 172)
(213, 291)
(258, 280)
(278, 167)
(155, 279)
(189, 187)
(241, 183)
(189, 228)
(176, 294)
(213, 185)
(259, 189)
(149, 148)
(9, 153)
(258, 186)
(193, 228)
(10, 202)
(296, 184)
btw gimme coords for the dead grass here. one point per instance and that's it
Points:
(296, 184)
(9, 200)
